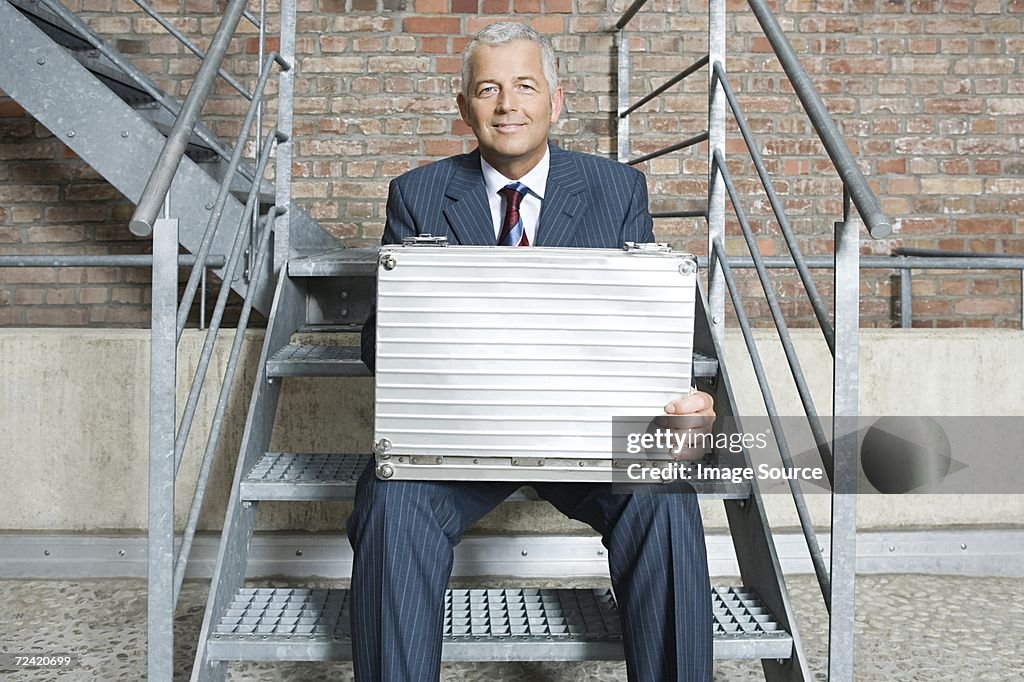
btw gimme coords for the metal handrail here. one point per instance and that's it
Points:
(690, 142)
(861, 208)
(103, 261)
(138, 77)
(628, 14)
(231, 271)
(718, 74)
(821, 572)
(887, 263)
(870, 209)
(159, 183)
(225, 189)
(936, 260)
(688, 213)
(258, 23)
(803, 391)
(678, 78)
(260, 57)
(169, 436)
(910, 257)
(213, 440)
(183, 39)
(940, 253)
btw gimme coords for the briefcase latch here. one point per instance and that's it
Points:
(425, 240)
(647, 247)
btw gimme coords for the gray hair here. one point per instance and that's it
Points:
(507, 32)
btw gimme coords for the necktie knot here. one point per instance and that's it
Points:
(513, 193)
(512, 232)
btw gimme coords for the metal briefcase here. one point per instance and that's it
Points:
(498, 363)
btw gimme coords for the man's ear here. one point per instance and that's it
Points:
(463, 107)
(556, 104)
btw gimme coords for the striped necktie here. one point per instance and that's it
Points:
(512, 232)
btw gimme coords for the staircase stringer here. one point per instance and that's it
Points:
(751, 533)
(287, 316)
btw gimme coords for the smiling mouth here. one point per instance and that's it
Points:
(506, 127)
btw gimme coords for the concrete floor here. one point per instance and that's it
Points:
(909, 628)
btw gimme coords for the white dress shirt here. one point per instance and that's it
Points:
(529, 210)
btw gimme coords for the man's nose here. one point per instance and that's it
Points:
(506, 101)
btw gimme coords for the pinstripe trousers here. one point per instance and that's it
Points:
(403, 534)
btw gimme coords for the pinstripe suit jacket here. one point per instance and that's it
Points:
(589, 202)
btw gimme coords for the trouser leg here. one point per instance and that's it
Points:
(403, 534)
(658, 564)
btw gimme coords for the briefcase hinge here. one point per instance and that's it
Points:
(527, 462)
(425, 240)
(647, 247)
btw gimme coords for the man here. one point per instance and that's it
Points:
(518, 190)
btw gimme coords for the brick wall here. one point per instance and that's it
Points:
(929, 93)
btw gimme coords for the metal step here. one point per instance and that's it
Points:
(113, 77)
(501, 624)
(279, 476)
(314, 477)
(52, 25)
(303, 477)
(704, 366)
(240, 185)
(317, 361)
(336, 263)
(196, 149)
(305, 360)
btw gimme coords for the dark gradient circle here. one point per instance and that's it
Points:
(900, 454)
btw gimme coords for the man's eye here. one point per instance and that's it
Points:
(526, 86)
(487, 90)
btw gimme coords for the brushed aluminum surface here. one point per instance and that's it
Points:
(509, 364)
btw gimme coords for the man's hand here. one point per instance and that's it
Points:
(689, 418)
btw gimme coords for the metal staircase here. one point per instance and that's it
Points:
(105, 110)
(246, 622)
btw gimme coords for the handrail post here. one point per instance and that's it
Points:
(716, 144)
(257, 141)
(906, 293)
(622, 121)
(162, 369)
(845, 395)
(285, 116)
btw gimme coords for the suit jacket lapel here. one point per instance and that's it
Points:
(564, 201)
(469, 217)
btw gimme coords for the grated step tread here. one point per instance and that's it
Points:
(303, 360)
(309, 477)
(278, 476)
(312, 624)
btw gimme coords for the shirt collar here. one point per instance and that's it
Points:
(536, 179)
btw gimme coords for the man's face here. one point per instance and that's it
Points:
(510, 106)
